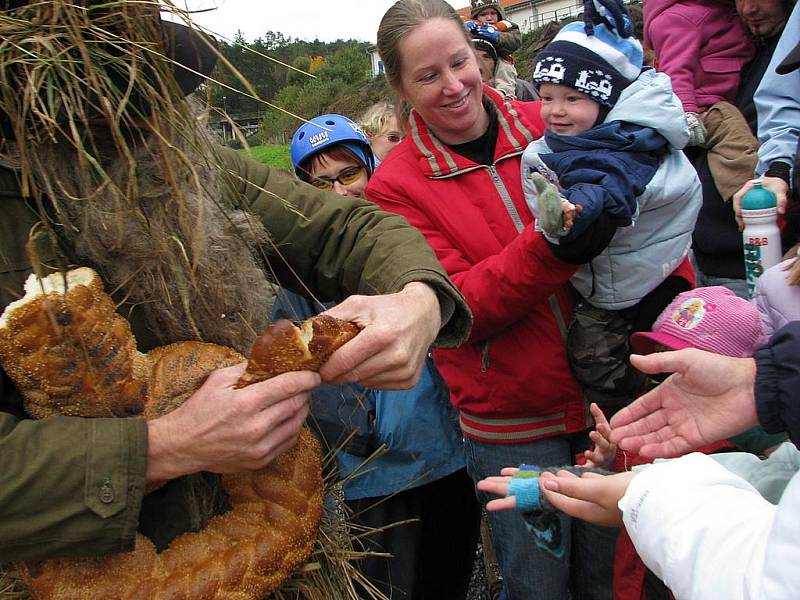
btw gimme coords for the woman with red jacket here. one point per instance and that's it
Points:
(456, 177)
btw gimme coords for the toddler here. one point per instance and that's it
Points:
(379, 123)
(612, 148)
(487, 21)
(703, 46)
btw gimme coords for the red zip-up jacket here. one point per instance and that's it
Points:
(510, 380)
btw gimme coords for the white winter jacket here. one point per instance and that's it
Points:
(709, 534)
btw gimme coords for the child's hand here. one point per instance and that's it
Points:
(604, 451)
(592, 497)
(499, 487)
(555, 213)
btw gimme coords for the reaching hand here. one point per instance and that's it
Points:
(555, 213)
(604, 451)
(224, 429)
(396, 332)
(709, 397)
(591, 497)
(775, 184)
(498, 485)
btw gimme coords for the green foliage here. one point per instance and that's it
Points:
(349, 65)
(268, 77)
(342, 85)
(274, 155)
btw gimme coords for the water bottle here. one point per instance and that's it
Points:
(761, 236)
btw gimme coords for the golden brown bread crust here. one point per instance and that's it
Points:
(177, 370)
(285, 347)
(69, 353)
(245, 553)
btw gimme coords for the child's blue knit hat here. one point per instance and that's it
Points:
(599, 56)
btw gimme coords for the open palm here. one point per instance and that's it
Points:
(709, 397)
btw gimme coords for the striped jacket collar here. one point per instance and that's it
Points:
(514, 133)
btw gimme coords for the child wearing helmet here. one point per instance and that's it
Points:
(422, 460)
(332, 153)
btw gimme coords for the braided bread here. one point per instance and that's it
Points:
(69, 353)
(286, 347)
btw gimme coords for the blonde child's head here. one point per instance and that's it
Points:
(381, 126)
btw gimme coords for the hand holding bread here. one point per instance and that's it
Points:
(397, 331)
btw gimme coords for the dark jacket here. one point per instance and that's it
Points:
(778, 382)
(57, 473)
(605, 169)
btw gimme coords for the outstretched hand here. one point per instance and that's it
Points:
(498, 485)
(591, 497)
(604, 451)
(709, 397)
(396, 332)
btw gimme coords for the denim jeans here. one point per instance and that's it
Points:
(529, 573)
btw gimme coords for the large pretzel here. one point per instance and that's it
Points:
(70, 353)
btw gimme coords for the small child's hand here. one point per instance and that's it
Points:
(555, 213)
(593, 498)
(604, 451)
(498, 485)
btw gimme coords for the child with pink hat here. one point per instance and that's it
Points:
(709, 318)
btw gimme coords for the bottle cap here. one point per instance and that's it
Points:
(759, 198)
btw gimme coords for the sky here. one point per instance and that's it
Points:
(327, 20)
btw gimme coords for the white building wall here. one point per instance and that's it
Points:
(535, 13)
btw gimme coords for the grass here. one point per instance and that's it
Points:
(274, 155)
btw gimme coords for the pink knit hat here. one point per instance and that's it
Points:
(709, 318)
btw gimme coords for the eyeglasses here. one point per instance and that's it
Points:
(346, 176)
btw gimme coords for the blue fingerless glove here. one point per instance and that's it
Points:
(525, 486)
(471, 26)
(541, 518)
(490, 32)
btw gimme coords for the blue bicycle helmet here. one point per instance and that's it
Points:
(329, 130)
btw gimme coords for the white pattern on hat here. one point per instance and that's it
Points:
(602, 45)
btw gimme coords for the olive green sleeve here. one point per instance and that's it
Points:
(70, 486)
(339, 246)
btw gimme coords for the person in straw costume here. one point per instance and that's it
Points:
(104, 163)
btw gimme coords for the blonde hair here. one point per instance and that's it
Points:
(403, 17)
(375, 119)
